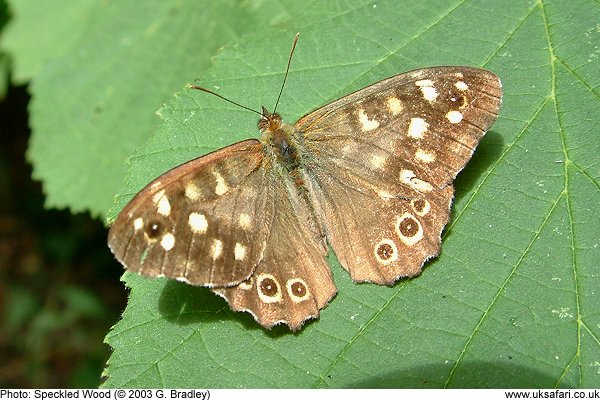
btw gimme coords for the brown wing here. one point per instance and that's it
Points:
(204, 222)
(383, 160)
(293, 280)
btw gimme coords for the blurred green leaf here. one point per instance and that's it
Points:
(4, 59)
(82, 303)
(40, 31)
(99, 71)
(19, 310)
(511, 302)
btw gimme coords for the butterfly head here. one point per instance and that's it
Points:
(269, 122)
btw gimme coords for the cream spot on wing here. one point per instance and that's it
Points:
(157, 196)
(221, 188)
(245, 221)
(366, 123)
(168, 241)
(385, 252)
(198, 222)
(409, 229)
(417, 73)
(378, 161)
(424, 82)
(454, 116)
(240, 252)
(424, 156)
(268, 288)
(164, 207)
(460, 85)
(216, 249)
(155, 185)
(417, 128)
(138, 223)
(385, 195)
(162, 203)
(298, 290)
(408, 177)
(394, 105)
(246, 285)
(421, 185)
(429, 92)
(191, 191)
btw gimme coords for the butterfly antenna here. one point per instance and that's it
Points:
(222, 97)
(286, 71)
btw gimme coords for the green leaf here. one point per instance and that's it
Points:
(41, 31)
(511, 301)
(95, 94)
(4, 59)
(4, 71)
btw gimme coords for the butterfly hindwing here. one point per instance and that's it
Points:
(383, 160)
(293, 281)
(201, 222)
(379, 238)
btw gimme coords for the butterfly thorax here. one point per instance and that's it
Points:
(281, 142)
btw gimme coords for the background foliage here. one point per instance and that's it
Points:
(512, 299)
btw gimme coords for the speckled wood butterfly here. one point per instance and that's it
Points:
(370, 173)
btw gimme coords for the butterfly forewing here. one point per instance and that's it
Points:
(382, 161)
(430, 119)
(198, 222)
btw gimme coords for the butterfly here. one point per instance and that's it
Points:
(369, 174)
